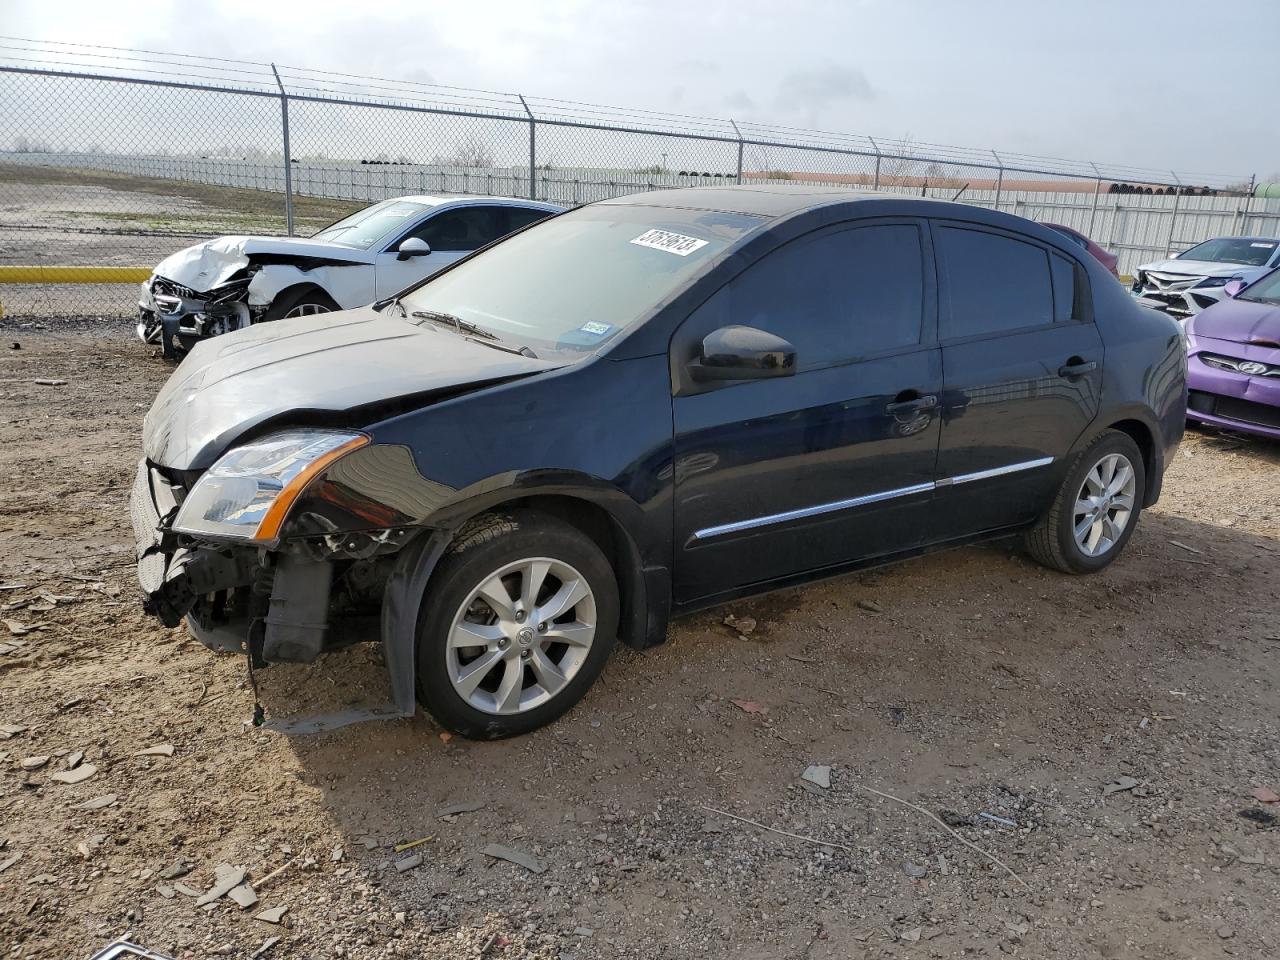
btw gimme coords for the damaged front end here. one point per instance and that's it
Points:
(175, 316)
(213, 552)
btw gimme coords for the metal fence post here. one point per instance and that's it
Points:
(737, 133)
(1173, 219)
(1248, 203)
(1097, 189)
(288, 170)
(533, 153)
(999, 179)
(875, 184)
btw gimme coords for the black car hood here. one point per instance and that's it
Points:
(227, 386)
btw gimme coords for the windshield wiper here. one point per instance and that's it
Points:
(462, 326)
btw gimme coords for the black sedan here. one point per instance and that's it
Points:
(637, 409)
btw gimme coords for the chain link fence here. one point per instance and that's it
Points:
(110, 160)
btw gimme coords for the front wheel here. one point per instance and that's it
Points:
(517, 623)
(1095, 510)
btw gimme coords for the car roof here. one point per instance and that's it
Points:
(756, 200)
(430, 201)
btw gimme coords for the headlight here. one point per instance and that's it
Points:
(1215, 282)
(248, 492)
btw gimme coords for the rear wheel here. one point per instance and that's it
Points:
(517, 623)
(1095, 510)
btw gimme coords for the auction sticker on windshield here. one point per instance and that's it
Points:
(676, 243)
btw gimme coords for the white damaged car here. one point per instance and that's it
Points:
(1196, 279)
(231, 282)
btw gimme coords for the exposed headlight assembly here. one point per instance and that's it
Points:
(248, 492)
(1216, 282)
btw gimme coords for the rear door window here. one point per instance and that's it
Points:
(463, 230)
(518, 217)
(991, 283)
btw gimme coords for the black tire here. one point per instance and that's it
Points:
(308, 298)
(1052, 543)
(486, 544)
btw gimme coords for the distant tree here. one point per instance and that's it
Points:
(472, 152)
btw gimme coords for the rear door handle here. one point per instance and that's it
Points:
(1077, 368)
(912, 406)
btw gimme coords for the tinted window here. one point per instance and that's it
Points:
(1064, 288)
(517, 218)
(992, 283)
(462, 230)
(837, 296)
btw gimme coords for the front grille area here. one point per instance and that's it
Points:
(1233, 408)
(162, 287)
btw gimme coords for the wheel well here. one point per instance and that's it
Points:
(614, 542)
(1140, 434)
(287, 297)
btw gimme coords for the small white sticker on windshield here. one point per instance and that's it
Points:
(676, 243)
(1264, 246)
(596, 328)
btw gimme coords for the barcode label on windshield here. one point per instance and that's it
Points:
(676, 243)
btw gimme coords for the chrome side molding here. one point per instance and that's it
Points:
(819, 509)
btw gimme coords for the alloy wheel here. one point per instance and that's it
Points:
(307, 310)
(521, 636)
(1104, 504)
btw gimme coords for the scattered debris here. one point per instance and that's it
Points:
(1186, 547)
(227, 879)
(166, 891)
(1119, 785)
(73, 759)
(47, 382)
(818, 774)
(410, 844)
(267, 944)
(1225, 932)
(445, 736)
(910, 936)
(78, 775)
(453, 809)
(749, 706)
(243, 896)
(915, 870)
(409, 863)
(744, 625)
(259, 884)
(1002, 821)
(174, 871)
(781, 833)
(272, 914)
(19, 629)
(97, 803)
(10, 862)
(870, 606)
(1262, 818)
(159, 750)
(500, 852)
(1265, 795)
(950, 818)
(336, 854)
(33, 763)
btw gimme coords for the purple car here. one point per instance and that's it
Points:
(1233, 359)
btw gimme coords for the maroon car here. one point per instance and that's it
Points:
(1107, 259)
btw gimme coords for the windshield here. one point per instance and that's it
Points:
(1265, 290)
(574, 282)
(1242, 250)
(363, 229)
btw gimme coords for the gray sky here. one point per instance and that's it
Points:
(1176, 84)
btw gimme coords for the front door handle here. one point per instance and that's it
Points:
(911, 406)
(1075, 368)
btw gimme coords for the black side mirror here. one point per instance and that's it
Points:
(412, 247)
(743, 353)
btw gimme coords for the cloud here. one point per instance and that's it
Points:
(739, 100)
(822, 86)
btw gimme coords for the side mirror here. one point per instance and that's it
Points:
(1233, 288)
(743, 353)
(412, 247)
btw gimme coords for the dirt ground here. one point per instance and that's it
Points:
(1120, 723)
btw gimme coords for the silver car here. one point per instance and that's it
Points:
(1191, 281)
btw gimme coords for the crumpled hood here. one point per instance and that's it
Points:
(212, 263)
(1239, 321)
(1200, 268)
(230, 384)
